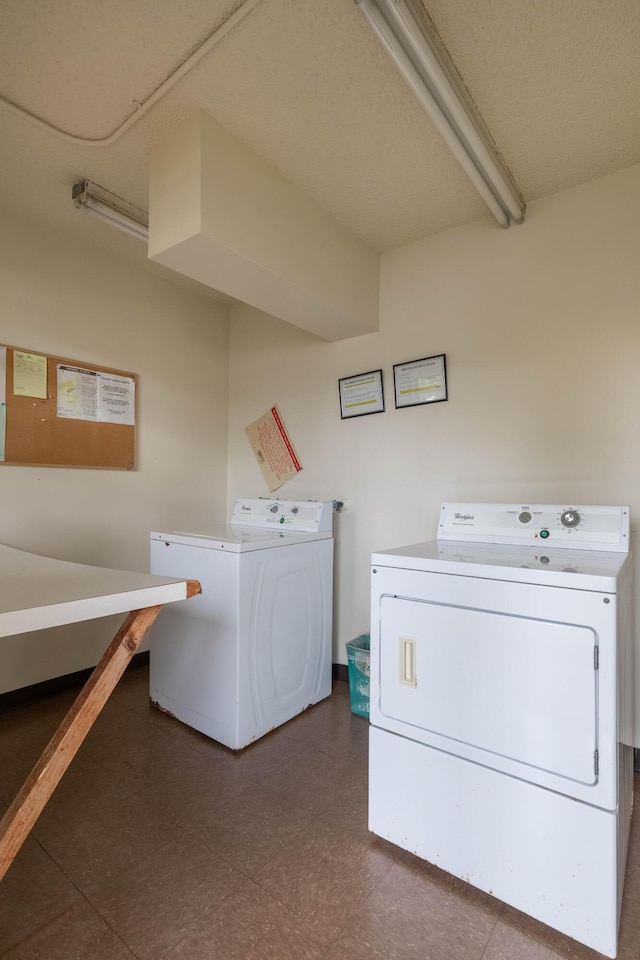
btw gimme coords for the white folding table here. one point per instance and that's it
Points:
(38, 592)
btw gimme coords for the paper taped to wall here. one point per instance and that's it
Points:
(273, 449)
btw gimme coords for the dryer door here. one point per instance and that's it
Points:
(511, 682)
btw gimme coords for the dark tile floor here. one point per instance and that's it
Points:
(161, 845)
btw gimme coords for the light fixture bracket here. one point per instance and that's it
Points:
(107, 206)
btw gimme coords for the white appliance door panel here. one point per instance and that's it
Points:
(521, 688)
(194, 658)
(518, 677)
(254, 649)
(289, 595)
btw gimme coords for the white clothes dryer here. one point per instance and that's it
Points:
(255, 648)
(500, 741)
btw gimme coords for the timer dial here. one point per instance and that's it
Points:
(570, 518)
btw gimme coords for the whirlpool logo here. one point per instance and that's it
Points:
(465, 516)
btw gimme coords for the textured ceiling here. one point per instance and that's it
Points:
(307, 86)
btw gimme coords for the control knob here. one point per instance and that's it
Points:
(570, 518)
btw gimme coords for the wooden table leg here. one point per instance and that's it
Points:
(58, 754)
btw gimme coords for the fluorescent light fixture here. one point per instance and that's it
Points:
(104, 205)
(412, 43)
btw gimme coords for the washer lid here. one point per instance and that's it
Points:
(234, 539)
(578, 569)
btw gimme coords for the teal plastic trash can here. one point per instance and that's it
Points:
(359, 667)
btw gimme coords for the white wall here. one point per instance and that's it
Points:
(62, 298)
(541, 328)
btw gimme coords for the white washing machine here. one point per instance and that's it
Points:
(500, 739)
(255, 648)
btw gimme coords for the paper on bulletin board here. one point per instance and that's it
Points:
(3, 374)
(3, 400)
(273, 449)
(85, 394)
(117, 399)
(29, 375)
(3, 429)
(78, 393)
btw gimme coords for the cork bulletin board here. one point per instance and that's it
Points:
(65, 413)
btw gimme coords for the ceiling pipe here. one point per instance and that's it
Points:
(178, 73)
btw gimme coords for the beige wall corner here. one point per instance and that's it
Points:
(63, 297)
(221, 215)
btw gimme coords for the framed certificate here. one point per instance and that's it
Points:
(420, 381)
(361, 394)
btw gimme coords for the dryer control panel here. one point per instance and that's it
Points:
(559, 525)
(309, 516)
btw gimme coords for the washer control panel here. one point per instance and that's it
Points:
(560, 525)
(310, 516)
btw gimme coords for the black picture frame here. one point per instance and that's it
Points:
(361, 394)
(420, 382)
